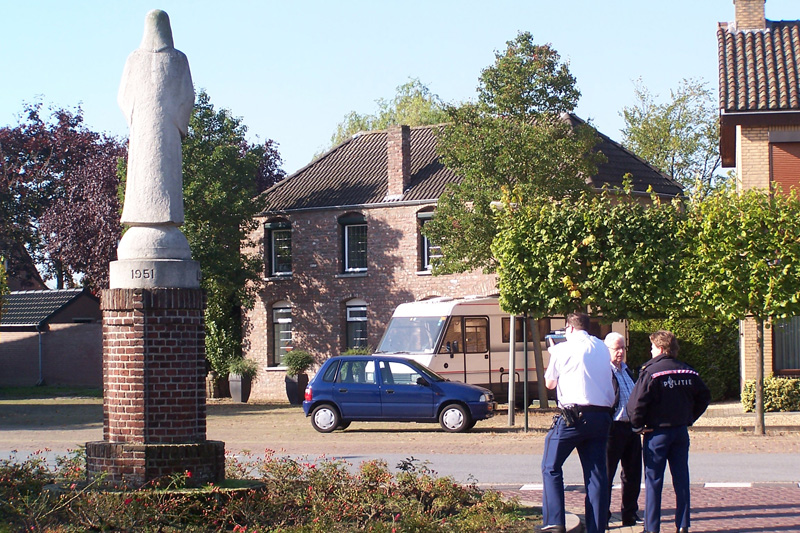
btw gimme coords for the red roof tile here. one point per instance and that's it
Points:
(758, 69)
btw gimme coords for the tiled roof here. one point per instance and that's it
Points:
(33, 308)
(759, 70)
(355, 174)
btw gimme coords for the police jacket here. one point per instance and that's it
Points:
(668, 393)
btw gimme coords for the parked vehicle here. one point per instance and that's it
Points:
(467, 339)
(352, 388)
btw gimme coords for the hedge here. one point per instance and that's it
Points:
(711, 348)
(780, 394)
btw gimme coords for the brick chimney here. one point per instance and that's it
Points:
(398, 161)
(750, 14)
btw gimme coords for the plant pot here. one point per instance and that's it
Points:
(240, 387)
(296, 388)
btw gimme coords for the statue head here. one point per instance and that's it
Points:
(157, 32)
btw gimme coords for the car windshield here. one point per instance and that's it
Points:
(412, 335)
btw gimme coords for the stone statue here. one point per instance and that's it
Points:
(156, 95)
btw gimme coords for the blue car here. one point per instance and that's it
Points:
(391, 389)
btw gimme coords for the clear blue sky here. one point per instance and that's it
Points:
(293, 69)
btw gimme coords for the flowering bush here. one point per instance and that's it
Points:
(263, 494)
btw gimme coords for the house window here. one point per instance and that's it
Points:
(786, 347)
(281, 331)
(356, 324)
(355, 243)
(279, 244)
(785, 165)
(428, 251)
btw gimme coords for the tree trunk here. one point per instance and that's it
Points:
(544, 403)
(759, 426)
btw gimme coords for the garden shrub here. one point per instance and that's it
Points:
(711, 348)
(268, 494)
(780, 394)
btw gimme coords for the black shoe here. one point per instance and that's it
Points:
(632, 520)
(553, 529)
(683, 530)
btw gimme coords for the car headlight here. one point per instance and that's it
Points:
(485, 398)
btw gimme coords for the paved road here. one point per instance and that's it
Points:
(765, 497)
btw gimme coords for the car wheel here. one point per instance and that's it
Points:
(325, 418)
(454, 418)
(344, 424)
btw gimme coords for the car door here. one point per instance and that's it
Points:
(356, 390)
(402, 398)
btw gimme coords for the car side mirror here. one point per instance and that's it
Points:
(422, 381)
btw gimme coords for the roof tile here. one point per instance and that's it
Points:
(354, 173)
(32, 308)
(758, 69)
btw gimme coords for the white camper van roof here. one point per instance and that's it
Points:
(441, 306)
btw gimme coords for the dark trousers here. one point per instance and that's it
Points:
(588, 436)
(662, 446)
(625, 448)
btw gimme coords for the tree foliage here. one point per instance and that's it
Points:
(514, 142)
(413, 105)
(3, 282)
(680, 137)
(745, 262)
(58, 194)
(607, 252)
(223, 175)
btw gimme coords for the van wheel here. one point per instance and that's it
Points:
(344, 424)
(325, 418)
(454, 418)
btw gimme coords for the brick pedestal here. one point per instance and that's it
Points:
(154, 402)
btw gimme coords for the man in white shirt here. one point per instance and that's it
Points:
(579, 370)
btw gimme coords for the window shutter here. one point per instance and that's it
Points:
(785, 165)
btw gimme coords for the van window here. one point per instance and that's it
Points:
(466, 334)
(476, 331)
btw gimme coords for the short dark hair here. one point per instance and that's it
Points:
(667, 341)
(578, 321)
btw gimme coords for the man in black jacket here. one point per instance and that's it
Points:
(667, 398)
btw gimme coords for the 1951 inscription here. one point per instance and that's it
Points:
(143, 273)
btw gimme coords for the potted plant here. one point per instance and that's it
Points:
(241, 374)
(296, 363)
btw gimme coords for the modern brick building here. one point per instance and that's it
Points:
(342, 245)
(53, 337)
(759, 86)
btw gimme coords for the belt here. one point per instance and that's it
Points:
(593, 409)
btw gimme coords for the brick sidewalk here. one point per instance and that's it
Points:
(759, 508)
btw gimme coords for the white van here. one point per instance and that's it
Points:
(467, 339)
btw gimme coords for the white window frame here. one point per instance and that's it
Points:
(347, 229)
(274, 252)
(356, 313)
(281, 345)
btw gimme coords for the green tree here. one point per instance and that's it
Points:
(3, 282)
(223, 175)
(413, 105)
(680, 137)
(514, 142)
(745, 263)
(606, 252)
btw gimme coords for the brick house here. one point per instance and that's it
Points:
(53, 337)
(759, 85)
(342, 244)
